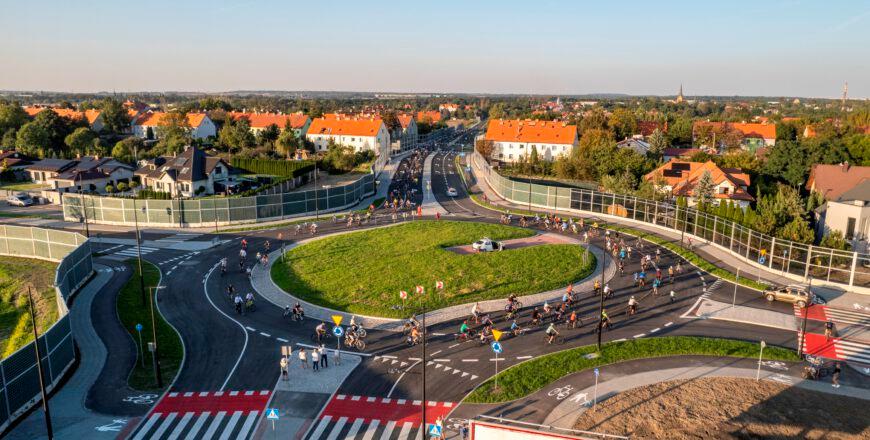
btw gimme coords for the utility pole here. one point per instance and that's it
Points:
(316, 201)
(155, 354)
(806, 312)
(45, 409)
(139, 249)
(601, 298)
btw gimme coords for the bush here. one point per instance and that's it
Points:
(283, 168)
(110, 189)
(122, 186)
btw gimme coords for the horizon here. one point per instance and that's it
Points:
(800, 49)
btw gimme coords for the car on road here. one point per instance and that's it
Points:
(795, 294)
(19, 200)
(452, 192)
(487, 245)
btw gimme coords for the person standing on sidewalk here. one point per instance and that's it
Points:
(315, 359)
(324, 362)
(303, 358)
(835, 378)
(284, 373)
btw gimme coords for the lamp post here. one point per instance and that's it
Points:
(806, 313)
(316, 201)
(601, 299)
(155, 356)
(84, 208)
(49, 430)
(139, 249)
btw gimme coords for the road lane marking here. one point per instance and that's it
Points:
(668, 324)
(266, 335)
(639, 336)
(469, 360)
(655, 330)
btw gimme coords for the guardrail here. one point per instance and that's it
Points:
(211, 212)
(19, 378)
(796, 261)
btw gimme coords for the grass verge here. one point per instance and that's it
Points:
(363, 272)
(690, 256)
(16, 330)
(131, 311)
(525, 378)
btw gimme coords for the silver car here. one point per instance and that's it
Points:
(19, 200)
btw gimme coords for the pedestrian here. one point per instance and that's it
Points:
(440, 424)
(835, 378)
(829, 329)
(324, 362)
(303, 358)
(315, 359)
(284, 372)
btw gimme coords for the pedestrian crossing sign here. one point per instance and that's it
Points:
(434, 430)
(272, 413)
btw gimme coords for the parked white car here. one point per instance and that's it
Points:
(452, 192)
(486, 245)
(19, 200)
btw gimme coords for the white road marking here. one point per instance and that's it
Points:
(639, 336)
(655, 330)
(454, 345)
(469, 360)
(524, 357)
(282, 339)
(251, 329)
(266, 335)
(668, 324)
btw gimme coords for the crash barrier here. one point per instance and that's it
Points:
(797, 261)
(214, 211)
(19, 378)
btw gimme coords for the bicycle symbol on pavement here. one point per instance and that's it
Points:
(142, 399)
(115, 426)
(776, 365)
(454, 424)
(561, 392)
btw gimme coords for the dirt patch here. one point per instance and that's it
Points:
(517, 243)
(726, 408)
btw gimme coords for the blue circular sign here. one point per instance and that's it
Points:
(138, 327)
(337, 331)
(496, 347)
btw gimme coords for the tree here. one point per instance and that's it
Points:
(797, 230)
(114, 115)
(835, 240)
(534, 160)
(287, 142)
(12, 117)
(681, 131)
(173, 132)
(236, 135)
(391, 121)
(658, 141)
(623, 122)
(110, 189)
(81, 140)
(33, 140)
(129, 149)
(485, 148)
(704, 190)
(622, 183)
(268, 135)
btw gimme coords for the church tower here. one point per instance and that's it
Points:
(680, 98)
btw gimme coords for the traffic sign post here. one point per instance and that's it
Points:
(337, 319)
(595, 394)
(272, 414)
(760, 353)
(497, 349)
(141, 348)
(434, 431)
(337, 331)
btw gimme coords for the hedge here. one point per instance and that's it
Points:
(283, 168)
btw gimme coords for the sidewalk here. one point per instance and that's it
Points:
(262, 283)
(70, 418)
(711, 253)
(709, 309)
(301, 399)
(430, 204)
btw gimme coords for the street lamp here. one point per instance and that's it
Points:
(49, 430)
(806, 312)
(601, 298)
(316, 201)
(84, 208)
(155, 353)
(139, 248)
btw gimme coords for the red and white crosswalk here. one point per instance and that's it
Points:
(370, 418)
(204, 415)
(836, 348)
(841, 316)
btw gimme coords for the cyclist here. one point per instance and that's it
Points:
(671, 274)
(320, 331)
(352, 326)
(515, 328)
(267, 245)
(249, 301)
(238, 303)
(231, 290)
(656, 284)
(464, 329)
(632, 306)
(829, 329)
(547, 309)
(298, 313)
(551, 333)
(607, 291)
(223, 266)
(597, 287)
(673, 296)
(605, 320)
(415, 336)
(244, 243)
(572, 319)
(536, 316)
(243, 254)
(658, 254)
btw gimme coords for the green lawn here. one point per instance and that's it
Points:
(131, 311)
(22, 186)
(363, 272)
(15, 274)
(526, 378)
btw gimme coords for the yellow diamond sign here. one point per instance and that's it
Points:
(496, 334)
(337, 319)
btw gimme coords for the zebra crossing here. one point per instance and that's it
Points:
(820, 312)
(206, 415)
(369, 418)
(836, 348)
(133, 252)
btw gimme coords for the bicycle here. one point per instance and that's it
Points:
(357, 343)
(558, 340)
(323, 337)
(249, 306)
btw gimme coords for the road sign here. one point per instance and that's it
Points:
(597, 372)
(434, 431)
(496, 334)
(139, 327)
(496, 347)
(272, 413)
(403, 294)
(337, 319)
(337, 331)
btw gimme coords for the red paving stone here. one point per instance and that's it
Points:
(229, 401)
(382, 409)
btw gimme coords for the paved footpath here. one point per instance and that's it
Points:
(70, 417)
(560, 403)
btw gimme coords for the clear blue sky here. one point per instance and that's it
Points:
(773, 48)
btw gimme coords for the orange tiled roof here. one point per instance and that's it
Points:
(92, 115)
(684, 184)
(263, 120)
(154, 119)
(750, 130)
(831, 181)
(548, 132)
(432, 115)
(345, 127)
(405, 120)
(62, 112)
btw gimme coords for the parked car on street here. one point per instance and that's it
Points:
(487, 245)
(452, 192)
(19, 200)
(795, 294)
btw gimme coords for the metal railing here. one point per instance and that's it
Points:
(796, 261)
(19, 379)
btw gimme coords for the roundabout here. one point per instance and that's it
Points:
(364, 272)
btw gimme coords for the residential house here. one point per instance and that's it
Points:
(147, 125)
(846, 193)
(679, 153)
(13, 160)
(190, 173)
(646, 128)
(754, 135)
(638, 145)
(87, 173)
(358, 133)
(680, 178)
(404, 138)
(430, 116)
(515, 139)
(299, 121)
(449, 107)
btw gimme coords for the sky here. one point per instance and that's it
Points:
(788, 48)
